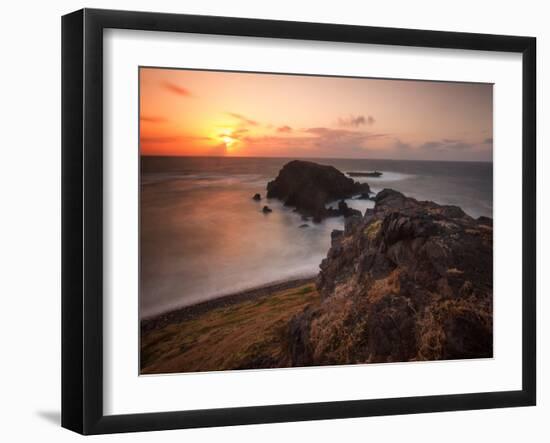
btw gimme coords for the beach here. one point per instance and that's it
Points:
(237, 331)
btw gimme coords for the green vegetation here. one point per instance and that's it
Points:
(372, 230)
(249, 334)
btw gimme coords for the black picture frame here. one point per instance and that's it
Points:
(82, 219)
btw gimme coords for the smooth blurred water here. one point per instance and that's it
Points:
(203, 236)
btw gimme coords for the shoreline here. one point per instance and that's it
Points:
(189, 312)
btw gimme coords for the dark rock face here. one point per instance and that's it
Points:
(346, 211)
(257, 197)
(408, 281)
(308, 187)
(485, 221)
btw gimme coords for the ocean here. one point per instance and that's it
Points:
(203, 236)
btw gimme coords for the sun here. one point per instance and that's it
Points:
(227, 139)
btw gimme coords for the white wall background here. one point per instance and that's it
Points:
(30, 218)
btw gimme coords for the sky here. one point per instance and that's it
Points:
(215, 113)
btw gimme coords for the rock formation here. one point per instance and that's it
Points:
(408, 281)
(308, 187)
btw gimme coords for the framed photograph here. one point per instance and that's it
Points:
(268, 221)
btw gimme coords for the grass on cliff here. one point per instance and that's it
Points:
(249, 334)
(372, 230)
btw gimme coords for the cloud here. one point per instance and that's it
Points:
(356, 121)
(237, 134)
(316, 141)
(337, 141)
(171, 138)
(344, 134)
(284, 129)
(348, 143)
(176, 144)
(431, 145)
(446, 145)
(160, 139)
(177, 89)
(151, 119)
(401, 146)
(243, 119)
(441, 149)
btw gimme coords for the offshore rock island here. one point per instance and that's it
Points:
(407, 280)
(309, 187)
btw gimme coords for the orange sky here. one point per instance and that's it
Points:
(204, 113)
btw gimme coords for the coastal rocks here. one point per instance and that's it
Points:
(408, 281)
(485, 221)
(266, 210)
(257, 197)
(346, 211)
(309, 186)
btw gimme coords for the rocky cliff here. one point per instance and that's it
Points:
(408, 281)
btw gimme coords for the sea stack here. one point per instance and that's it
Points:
(308, 187)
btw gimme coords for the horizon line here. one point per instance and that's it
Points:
(313, 158)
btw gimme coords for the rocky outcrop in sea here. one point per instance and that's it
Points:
(309, 187)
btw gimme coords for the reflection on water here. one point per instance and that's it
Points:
(203, 236)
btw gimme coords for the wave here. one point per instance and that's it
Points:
(203, 180)
(387, 176)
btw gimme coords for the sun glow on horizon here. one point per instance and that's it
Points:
(229, 142)
(227, 138)
(209, 113)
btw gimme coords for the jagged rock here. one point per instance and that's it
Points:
(308, 187)
(485, 221)
(410, 280)
(266, 210)
(346, 211)
(343, 210)
(257, 197)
